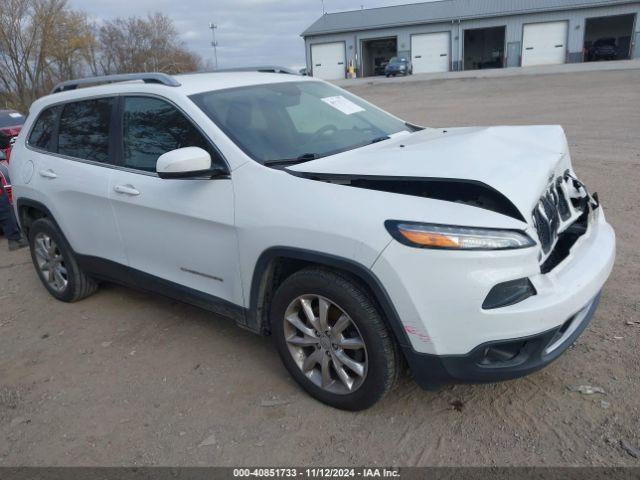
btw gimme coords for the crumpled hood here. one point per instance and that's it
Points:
(516, 161)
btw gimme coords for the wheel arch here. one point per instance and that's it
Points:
(31, 210)
(277, 263)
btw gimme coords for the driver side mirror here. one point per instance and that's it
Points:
(188, 162)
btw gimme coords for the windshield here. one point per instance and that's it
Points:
(296, 121)
(397, 61)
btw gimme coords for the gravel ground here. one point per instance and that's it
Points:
(125, 378)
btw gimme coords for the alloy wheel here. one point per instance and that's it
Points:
(50, 262)
(325, 344)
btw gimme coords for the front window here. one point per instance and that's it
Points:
(296, 121)
(152, 127)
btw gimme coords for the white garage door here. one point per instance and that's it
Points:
(430, 52)
(544, 43)
(328, 61)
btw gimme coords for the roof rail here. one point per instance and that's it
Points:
(263, 69)
(161, 78)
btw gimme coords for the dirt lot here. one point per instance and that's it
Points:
(126, 378)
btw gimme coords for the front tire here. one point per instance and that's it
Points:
(332, 339)
(56, 265)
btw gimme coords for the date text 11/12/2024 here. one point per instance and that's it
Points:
(316, 472)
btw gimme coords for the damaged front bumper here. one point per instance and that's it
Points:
(451, 338)
(503, 359)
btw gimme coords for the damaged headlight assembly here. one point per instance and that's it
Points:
(452, 237)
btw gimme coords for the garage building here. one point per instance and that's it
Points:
(449, 35)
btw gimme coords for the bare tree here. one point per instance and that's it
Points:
(43, 42)
(21, 59)
(147, 44)
(69, 45)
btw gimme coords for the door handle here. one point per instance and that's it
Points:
(48, 174)
(126, 189)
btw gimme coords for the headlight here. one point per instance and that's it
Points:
(451, 237)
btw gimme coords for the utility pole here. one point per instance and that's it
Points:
(214, 43)
(324, 12)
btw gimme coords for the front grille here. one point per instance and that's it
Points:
(562, 204)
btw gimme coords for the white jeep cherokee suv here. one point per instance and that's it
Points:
(355, 239)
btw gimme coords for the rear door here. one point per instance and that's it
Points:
(71, 152)
(544, 44)
(328, 61)
(430, 52)
(182, 230)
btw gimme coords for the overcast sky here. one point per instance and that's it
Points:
(250, 32)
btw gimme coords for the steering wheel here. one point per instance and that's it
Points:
(322, 131)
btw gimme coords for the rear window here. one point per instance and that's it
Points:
(84, 129)
(42, 133)
(11, 119)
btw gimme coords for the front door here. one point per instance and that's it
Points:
(177, 230)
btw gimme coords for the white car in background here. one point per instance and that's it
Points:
(353, 238)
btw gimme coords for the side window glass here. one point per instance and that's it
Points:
(84, 129)
(152, 127)
(42, 133)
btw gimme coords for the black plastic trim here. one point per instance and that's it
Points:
(124, 275)
(27, 202)
(254, 320)
(509, 208)
(208, 174)
(496, 297)
(433, 371)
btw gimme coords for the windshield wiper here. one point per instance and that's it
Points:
(305, 157)
(379, 139)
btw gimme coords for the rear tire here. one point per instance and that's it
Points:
(348, 360)
(56, 264)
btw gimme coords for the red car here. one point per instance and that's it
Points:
(5, 182)
(10, 125)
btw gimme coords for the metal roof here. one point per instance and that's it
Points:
(442, 11)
